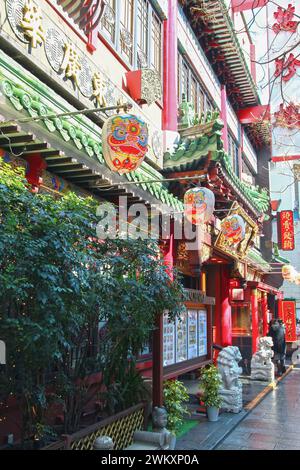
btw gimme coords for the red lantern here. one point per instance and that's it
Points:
(124, 142)
(199, 204)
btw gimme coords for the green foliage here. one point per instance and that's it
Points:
(57, 284)
(175, 396)
(211, 381)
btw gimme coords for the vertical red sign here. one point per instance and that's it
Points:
(286, 234)
(289, 319)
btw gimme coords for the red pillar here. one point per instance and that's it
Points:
(254, 309)
(217, 279)
(264, 305)
(226, 319)
(170, 69)
(224, 117)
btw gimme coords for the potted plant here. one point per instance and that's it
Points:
(175, 397)
(211, 381)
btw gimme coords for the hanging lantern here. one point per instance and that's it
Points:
(288, 272)
(233, 228)
(124, 142)
(199, 205)
(297, 279)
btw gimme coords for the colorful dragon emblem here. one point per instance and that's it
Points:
(127, 142)
(233, 228)
(199, 205)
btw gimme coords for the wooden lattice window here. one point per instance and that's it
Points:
(157, 43)
(126, 31)
(108, 22)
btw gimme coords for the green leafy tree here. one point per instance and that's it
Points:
(58, 282)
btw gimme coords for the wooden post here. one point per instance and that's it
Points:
(157, 368)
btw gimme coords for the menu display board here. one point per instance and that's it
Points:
(202, 324)
(169, 342)
(185, 339)
(181, 340)
(192, 334)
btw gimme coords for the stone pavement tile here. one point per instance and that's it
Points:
(262, 437)
(287, 446)
(259, 446)
(228, 447)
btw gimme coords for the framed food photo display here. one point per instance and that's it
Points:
(192, 334)
(181, 338)
(169, 342)
(202, 331)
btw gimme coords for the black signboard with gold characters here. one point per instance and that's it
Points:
(237, 233)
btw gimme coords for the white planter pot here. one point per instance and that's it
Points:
(212, 413)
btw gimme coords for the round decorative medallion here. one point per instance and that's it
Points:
(54, 48)
(85, 78)
(157, 144)
(14, 11)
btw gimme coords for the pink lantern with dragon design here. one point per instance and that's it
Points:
(124, 142)
(199, 204)
(233, 228)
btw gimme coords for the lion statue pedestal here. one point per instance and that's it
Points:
(262, 367)
(231, 391)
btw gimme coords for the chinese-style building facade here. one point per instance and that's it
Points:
(181, 67)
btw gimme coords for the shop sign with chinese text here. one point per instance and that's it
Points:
(286, 235)
(289, 319)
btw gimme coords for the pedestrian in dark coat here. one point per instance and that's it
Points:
(277, 333)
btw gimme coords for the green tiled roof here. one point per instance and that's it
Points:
(255, 257)
(194, 146)
(191, 149)
(258, 197)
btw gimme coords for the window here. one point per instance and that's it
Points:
(157, 43)
(126, 32)
(142, 33)
(135, 30)
(190, 87)
(233, 152)
(109, 19)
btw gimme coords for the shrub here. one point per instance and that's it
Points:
(175, 395)
(211, 381)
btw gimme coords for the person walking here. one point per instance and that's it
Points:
(277, 333)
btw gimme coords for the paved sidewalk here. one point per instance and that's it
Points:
(274, 424)
(208, 436)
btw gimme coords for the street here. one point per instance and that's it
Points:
(274, 423)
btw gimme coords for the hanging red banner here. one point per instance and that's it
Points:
(286, 234)
(289, 319)
(242, 5)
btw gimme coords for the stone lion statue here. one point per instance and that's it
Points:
(229, 369)
(232, 388)
(262, 367)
